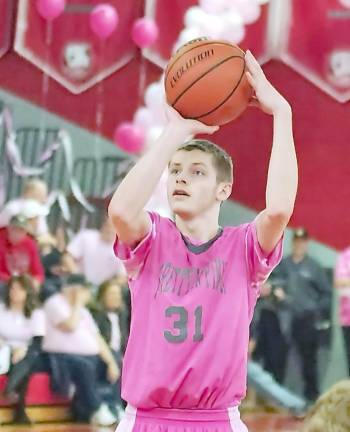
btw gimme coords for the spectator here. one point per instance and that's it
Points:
(19, 252)
(56, 264)
(112, 320)
(342, 283)
(92, 251)
(306, 290)
(78, 354)
(22, 326)
(111, 315)
(33, 199)
(270, 330)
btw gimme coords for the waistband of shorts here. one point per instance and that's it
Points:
(184, 414)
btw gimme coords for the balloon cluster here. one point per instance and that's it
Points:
(104, 20)
(217, 19)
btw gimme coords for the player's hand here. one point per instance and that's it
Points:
(188, 126)
(266, 97)
(113, 372)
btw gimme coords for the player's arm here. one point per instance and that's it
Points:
(282, 179)
(126, 208)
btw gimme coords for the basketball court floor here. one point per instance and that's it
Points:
(256, 423)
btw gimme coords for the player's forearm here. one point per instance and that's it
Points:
(137, 187)
(282, 179)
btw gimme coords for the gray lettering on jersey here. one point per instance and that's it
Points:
(182, 280)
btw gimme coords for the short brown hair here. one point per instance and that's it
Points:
(222, 161)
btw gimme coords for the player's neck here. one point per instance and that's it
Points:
(201, 228)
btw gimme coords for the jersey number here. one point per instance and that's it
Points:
(181, 324)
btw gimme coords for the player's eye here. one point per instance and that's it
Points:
(174, 171)
(199, 172)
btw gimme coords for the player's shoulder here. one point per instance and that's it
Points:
(237, 230)
(162, 224)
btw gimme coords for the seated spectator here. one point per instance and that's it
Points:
(19, 253)
(93, 252)
(111, 315)
(79, 355)
(33, 199)
(56, 264)
(22, 326)
(331, 412)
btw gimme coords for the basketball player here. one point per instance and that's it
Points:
(194, 284)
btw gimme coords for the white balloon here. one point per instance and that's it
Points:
(248, 9)
(143, 118)
(234, 34)
(233, 18)
(194, 16)
(213, 26)
(188, 34)
(154, 95)
(213, 6)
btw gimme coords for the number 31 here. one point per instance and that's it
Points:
(181, 324)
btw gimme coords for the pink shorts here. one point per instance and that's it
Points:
(175, 420)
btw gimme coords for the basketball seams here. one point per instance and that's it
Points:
(199, 46)
(225, 100)
(203, 75)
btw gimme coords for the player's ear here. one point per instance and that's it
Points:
(224, 191)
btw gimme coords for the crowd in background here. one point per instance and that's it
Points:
(65, 310)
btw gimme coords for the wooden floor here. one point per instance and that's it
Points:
(255, 422)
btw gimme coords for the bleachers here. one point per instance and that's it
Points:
(41, 404)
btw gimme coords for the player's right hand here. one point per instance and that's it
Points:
(189, 126)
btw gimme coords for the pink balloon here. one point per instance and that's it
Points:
(50, 9)
(103, 20)
(129, 137)
(144, 32)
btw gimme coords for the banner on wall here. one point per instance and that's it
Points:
(6, 20)
(67, 50)
(316, 43)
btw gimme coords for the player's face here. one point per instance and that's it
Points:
(192, 183)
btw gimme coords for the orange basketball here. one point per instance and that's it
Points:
(205, 80)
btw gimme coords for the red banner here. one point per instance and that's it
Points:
(318, 44)
(6, 20)
(68, 50)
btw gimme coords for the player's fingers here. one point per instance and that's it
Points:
(210, 129)
(254, 102)
(253, 64)
(251, 80)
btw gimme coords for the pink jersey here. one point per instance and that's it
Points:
(191, 310)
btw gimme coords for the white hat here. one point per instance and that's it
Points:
(31, 209)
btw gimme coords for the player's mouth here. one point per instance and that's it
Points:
(180, 193)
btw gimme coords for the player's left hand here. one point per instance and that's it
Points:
(266, 97)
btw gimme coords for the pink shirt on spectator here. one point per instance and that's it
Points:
(191, 310)
(342, 271)
(17, 330)
(81, 341)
